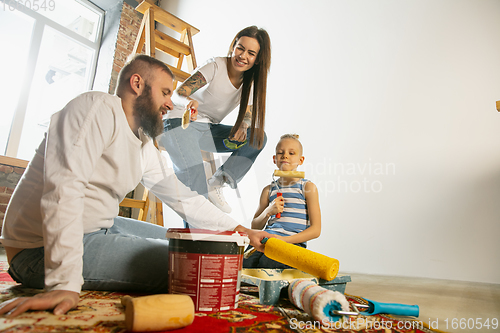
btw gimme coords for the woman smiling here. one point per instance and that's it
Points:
(212, 92)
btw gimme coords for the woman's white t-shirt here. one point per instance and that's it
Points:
(217, 98)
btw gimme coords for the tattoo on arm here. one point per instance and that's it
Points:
(248, 116)
(192, 84)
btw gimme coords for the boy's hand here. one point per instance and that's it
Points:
(276, 206)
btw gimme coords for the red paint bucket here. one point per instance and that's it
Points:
(206, 265)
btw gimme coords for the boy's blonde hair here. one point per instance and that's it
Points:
(291, 136)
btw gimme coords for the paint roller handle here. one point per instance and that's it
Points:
(391, 308)
(251, 251)
(279, 194)
(248, 253)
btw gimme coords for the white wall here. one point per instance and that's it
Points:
(395, 105)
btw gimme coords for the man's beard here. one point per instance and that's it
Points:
(149, 120)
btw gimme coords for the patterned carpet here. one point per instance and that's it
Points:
(102, 312)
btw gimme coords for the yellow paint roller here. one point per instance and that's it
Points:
(289, 174)
(158, 312)
(301, 258)
(286, 174)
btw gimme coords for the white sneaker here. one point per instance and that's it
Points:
(216, 196)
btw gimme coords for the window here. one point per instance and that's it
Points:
(51, 58)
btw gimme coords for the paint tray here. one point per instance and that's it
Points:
(338, 284)
(273, 283)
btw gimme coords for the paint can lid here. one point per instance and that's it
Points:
(239, 238)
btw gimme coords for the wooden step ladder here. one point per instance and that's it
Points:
(154, 39)
(151, 39)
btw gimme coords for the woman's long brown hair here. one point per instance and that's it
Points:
(258, 76)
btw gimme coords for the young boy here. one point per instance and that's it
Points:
(300, 218)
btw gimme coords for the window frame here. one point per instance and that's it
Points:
(41, 22)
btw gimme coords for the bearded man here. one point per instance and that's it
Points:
(61, 230)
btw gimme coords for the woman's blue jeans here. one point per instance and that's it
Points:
(184, 147)
(130, 256)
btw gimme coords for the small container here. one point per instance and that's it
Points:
(273, 283)
(206, 265)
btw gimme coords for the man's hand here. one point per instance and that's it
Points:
(255, 236)
(59, 300)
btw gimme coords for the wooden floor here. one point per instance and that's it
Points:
(442, 302)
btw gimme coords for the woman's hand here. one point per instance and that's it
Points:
(241, 133)
(276, 206)
(60, 300)
(193, 106)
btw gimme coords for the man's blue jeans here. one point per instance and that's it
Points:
(130, 256)
(184, 147)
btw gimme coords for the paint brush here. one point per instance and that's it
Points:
(186, 117)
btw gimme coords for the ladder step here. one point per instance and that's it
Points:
(179, 75)
(165, 18)
(133, 203)
(171, 45)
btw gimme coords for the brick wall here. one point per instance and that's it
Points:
(130, 22)
(9, 177)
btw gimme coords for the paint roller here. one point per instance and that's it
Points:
(289, 174)
(158, 312)
(324, 304)
(320, 303)
(301, 258)
(285, 174)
